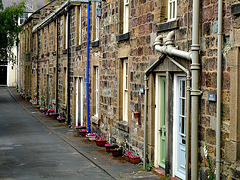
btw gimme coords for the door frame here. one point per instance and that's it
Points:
(157, 149)
(78, 83)
(176, 125)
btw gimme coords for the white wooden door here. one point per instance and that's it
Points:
(179, 132)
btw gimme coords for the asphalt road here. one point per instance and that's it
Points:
(30, 151)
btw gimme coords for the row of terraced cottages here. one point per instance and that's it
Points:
(157, 76)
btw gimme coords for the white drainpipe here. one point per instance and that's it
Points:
(219, 88)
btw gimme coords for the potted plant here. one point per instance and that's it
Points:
(91, 136)
(54, 115)
(79, 127)
(134, 159)
(117, 151)
(109, 147)
(61, 119)
(43, 109)
(127, 156)
(38, 106)
(28, 98)
(100, 141)
(83, 132)
(49, 111)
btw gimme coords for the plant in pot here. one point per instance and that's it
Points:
(49, 111)
(117, 151)
(83, 132)
(43, 109)
(100, 141)
(54, 115)
(61, 119)
(134, 159)
(77, 128)
(109, 147)
(127, 156)
(91, 136)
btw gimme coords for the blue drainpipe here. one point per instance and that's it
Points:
(87, 80)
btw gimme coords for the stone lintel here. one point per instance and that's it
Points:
(124, 52)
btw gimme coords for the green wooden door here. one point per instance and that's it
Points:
(162, 121)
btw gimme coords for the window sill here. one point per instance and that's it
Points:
(64, 51)
(78, 47)
(95, 43)
(95, 120)
(168, 26)
(64, 106)
(123, 37)
(123, 125)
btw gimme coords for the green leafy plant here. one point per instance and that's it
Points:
(149, 167)
(211, 170)
(42, 101)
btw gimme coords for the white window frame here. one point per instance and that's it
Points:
(96, 89)
(125, 90)
(97, 23)
(172, 10)
(80, 26)
(126, 16)
(66, 31)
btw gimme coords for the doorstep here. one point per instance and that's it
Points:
(161, 172)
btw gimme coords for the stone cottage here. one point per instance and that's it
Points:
(159, 77)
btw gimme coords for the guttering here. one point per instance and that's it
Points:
(219, 88)
(169, 49)
(87, 70)
(68, 83)
(37, 67)
(56, 96)
(195, 92)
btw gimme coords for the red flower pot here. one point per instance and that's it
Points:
(83, 133)
(116, 152)
(135, 160)
(100, 143)
(109, 147)
(127, 158)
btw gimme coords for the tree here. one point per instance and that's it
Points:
(9, 30)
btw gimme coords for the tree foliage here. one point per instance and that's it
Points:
(9, 30)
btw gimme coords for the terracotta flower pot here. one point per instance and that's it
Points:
(83, 133)
(127, 158)
(135, 160)
(116, 152)
(109, 147)
(100, 143)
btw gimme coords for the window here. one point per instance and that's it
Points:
(23, 18)
(172, 10)
(125, 16)
(66, 32)
(97, 22)
(64, 99)
(95, 89)
(125, 90)
(80, 26)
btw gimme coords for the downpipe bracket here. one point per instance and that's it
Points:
(196, 92)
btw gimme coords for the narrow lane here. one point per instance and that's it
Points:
(29, 151)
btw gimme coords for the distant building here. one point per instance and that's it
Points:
(9, 71)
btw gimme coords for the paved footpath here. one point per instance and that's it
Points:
(34, 146)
